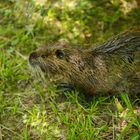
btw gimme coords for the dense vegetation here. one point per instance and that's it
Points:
(32, 110)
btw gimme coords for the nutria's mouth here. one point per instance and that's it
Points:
(39, 65)
(36, 62)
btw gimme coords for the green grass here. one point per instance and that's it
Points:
(33, 110)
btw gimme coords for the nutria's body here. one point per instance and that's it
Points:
(113, 67)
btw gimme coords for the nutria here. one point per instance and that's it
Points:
(113, 67)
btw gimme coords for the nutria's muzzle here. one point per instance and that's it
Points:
(33, 56)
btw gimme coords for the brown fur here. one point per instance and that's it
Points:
(113, 67)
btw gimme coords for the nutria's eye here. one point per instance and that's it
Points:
(60, 54)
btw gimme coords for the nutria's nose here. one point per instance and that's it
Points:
(33, 56)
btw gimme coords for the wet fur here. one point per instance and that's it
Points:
(113, 67)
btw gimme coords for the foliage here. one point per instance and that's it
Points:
(29, 109)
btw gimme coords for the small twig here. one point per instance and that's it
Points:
(4, 127)
(4, 38)
(113, 128)
(0, 133)
(18, 53)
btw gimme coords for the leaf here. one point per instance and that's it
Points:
(135, 136)
(15, 42)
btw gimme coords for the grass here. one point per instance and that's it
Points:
(33, 110)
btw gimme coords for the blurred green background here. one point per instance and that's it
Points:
(28, 24)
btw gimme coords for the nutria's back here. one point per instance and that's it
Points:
(113, 67)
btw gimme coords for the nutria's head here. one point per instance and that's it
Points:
(58, 61)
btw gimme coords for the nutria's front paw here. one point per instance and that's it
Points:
(63, 87)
